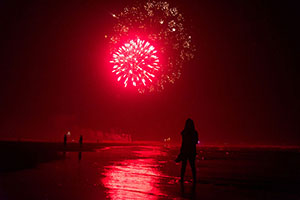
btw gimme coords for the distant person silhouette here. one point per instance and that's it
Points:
(80, 140)
(188, 148)
(65, 139)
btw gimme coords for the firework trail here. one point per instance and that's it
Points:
(162, 28)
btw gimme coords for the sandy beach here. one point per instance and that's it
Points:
(145, 171)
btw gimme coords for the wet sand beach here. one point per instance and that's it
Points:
(145, 171)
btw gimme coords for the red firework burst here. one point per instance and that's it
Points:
(135, 62)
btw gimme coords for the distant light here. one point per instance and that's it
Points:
(173, 29)
(198, 142)
(69, 133)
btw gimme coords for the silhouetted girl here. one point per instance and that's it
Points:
(188, 148)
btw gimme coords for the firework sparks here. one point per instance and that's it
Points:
(135, 62)
(160, 24)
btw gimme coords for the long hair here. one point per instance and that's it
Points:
(189, 125)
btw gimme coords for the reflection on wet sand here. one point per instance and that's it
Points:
(149, 172)
(132, 179)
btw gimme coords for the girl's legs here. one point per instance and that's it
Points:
(192, 164)
(183, 166)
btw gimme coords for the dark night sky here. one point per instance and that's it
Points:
(240, 88)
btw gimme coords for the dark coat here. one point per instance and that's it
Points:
(189, 141)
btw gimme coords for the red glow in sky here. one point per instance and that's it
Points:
(135, 63)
